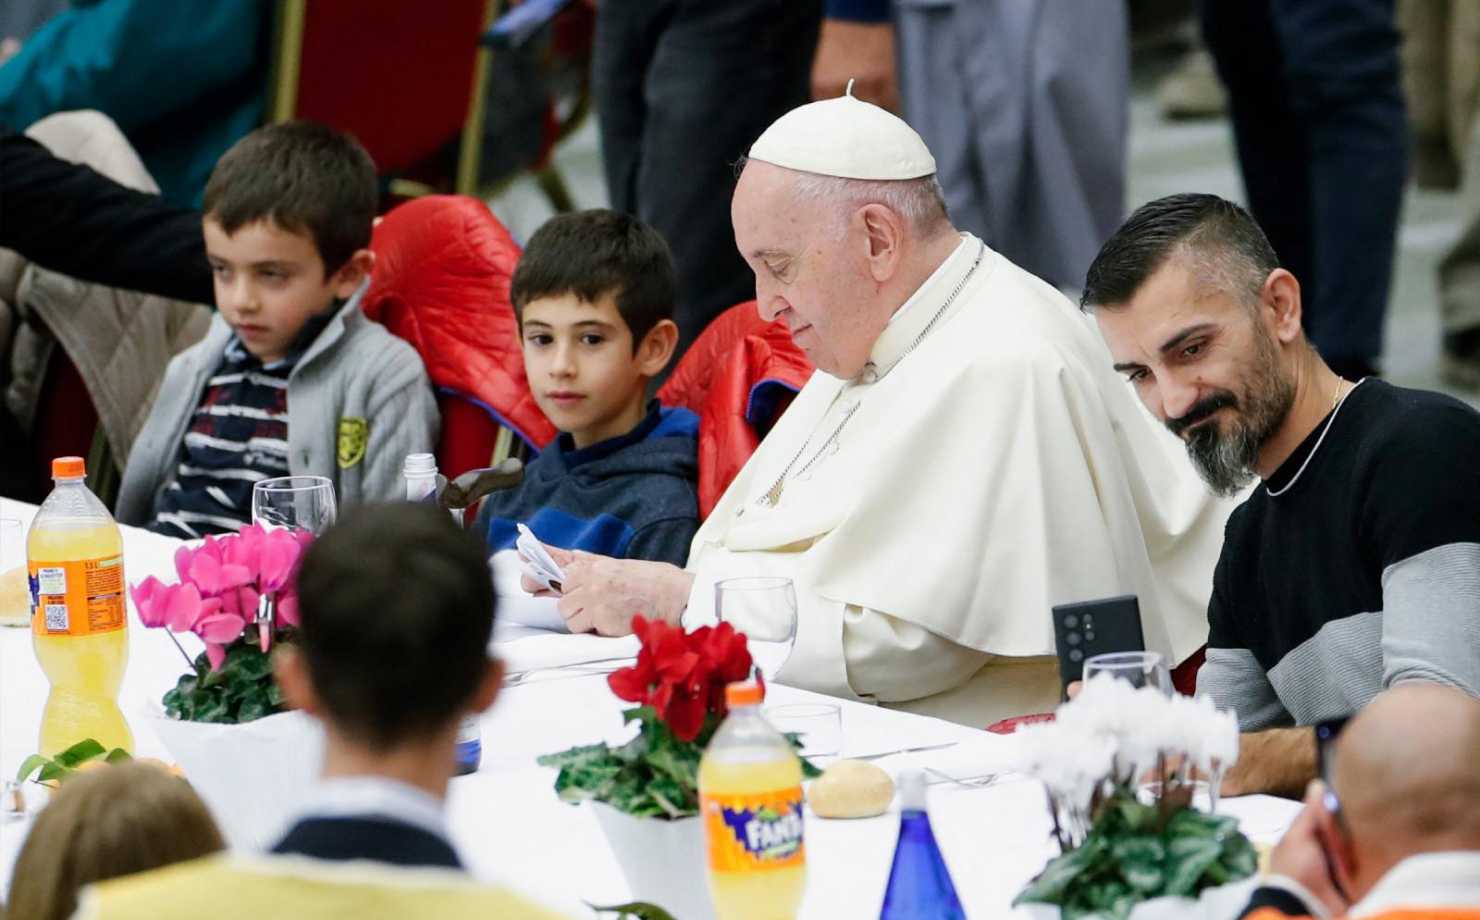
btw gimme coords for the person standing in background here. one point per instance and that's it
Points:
(682, 88)
(1322, 138)
(1023, 104)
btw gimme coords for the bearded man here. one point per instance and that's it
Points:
(1355, 565)
(963, 460)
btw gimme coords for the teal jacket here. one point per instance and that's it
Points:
(184, 79)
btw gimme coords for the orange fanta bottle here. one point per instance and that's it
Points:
(79, 623)
(750, 795)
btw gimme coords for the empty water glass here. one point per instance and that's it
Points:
(15, 594)
(294, 502)
(820, 726)
(764, 609)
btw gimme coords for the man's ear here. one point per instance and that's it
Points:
(884, 231)
(291, 672)
(1281, 305)
(488, 687)
(656, 348)
(351, 273)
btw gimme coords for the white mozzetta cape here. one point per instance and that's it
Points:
(997, 469)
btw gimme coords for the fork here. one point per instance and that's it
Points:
(581, 669)
(974, 782)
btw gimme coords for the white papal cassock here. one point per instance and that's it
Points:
(987, 464)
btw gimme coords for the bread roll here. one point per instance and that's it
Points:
(851, 789)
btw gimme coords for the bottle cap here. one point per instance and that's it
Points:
(419, 463)
(744, 693)
(910, 784)
(68, 468)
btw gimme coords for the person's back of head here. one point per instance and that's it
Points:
(1407, 779)
(396, 607)
(106, 823)
(303, 177)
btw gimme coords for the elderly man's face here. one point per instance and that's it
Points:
(807, 274)
(1207, 366)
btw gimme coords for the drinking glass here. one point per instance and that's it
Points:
(15, 593)
(1141, 669)
(764, 608)
(294, 502)
(819, 724)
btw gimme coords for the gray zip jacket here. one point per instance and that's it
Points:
(358, 402)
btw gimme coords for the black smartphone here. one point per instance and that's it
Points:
(1326, 734)
(1089, 628)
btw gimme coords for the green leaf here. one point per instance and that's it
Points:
(118, 755)
(86, 749)
(53, 771)
(29, 766)
(1054, 881)
(1188, 859)
(641, 910)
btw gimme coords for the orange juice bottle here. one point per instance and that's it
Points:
(750, 795)
(79, 624)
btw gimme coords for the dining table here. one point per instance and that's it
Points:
(992, 824)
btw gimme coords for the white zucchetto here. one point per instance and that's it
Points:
(847, 138)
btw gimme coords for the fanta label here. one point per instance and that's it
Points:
(749, 833)
(77, 598)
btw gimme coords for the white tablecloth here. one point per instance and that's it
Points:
(510, 827)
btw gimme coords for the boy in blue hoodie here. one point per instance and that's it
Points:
(594, 297)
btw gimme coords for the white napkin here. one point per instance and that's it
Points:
(515, 605)
(536, 561)
(557, 651)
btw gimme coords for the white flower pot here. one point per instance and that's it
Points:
(1221, 903)
(253, 776)
(663, 861)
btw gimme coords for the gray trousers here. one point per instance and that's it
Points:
(1024, 104)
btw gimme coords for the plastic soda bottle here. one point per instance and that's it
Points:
(79, 623)
(422, 484)
(920, 886)
(750, 795)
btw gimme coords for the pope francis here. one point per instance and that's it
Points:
(964, 459)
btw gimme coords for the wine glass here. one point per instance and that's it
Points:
(294, 502)
(764, 609)
(1140, 669)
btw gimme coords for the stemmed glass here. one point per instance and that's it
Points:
(1141, 669)
(302, 503)
(764, 608)
(295, 502)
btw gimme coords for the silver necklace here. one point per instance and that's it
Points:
(773, 495)
(1335, 410)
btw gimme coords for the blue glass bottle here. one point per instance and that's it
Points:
(469, 746)
(919, 884)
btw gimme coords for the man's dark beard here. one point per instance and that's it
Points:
(1225, 460)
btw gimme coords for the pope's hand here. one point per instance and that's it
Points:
(602, 595)
(858, 51)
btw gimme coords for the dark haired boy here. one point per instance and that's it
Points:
(291, 379)
(372, 841)
(594, 296)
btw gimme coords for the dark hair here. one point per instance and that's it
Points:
(397, 607)
(303, 176)
(1222, 237)
(594, 253)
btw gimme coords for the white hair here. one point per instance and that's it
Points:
(921, 202)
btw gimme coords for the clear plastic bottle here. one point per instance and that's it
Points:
(920, 886)
(79, 620)
(422, 484)
(750, 797)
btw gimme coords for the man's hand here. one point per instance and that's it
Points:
(1302, 854)
(601, 594)
(1276, 761)
(858, 51)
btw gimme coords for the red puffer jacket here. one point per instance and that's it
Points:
(738, 376)
(441, 282)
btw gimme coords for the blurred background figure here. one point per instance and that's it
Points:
(107, 823)
(1441, 77)
(1319, 123)
(683, 88)
(1023, 105)
(184, 80)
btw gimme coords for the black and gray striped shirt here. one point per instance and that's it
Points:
(1365, 573)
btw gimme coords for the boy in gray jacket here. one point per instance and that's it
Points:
(291, 379)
